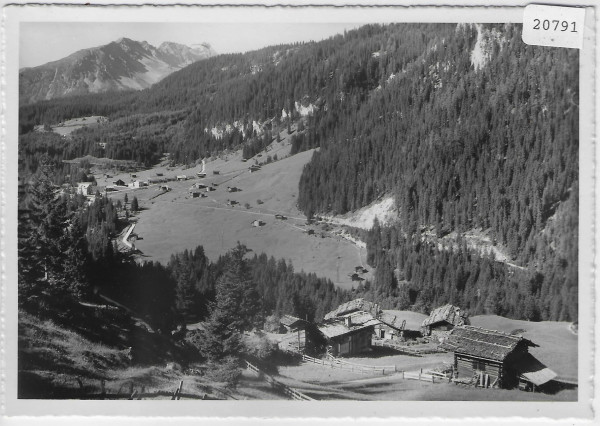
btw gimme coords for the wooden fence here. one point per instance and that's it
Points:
(430, 376)
(130, 393)
(345, 365)
(291, 392)
(404, 348)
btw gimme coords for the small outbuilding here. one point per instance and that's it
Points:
(258, 223)
(289, 323)
(119, 182)
(442, 320)
(182, 177)
(391, 327)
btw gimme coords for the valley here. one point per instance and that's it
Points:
(174, 221)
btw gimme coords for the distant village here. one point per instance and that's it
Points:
(481, 358)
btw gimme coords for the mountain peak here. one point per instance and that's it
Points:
(124, 64)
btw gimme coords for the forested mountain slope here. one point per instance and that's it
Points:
(461, 142)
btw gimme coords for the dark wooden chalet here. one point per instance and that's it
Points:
(442, 320)
(350, 334)
(490, 358)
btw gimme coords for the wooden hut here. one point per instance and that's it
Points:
(289, 323)
(442, 320)
(490, 358)
(391, 327)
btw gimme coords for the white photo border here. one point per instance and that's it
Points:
(267, 11)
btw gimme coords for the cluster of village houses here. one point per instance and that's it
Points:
(484, 357)
(89, 189)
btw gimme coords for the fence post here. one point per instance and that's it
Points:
(130, 388)
(80, 383)
(179, 390)
(102, 389)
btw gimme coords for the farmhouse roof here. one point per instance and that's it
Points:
(391, 320)
(447, 313)
(352, 306)
(339, 328)
(289, 320)
(482, 343)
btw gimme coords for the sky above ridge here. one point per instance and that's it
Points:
(42, 42)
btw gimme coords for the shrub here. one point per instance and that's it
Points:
(227, 370)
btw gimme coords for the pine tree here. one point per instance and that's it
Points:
(134, 204)
(235, 309)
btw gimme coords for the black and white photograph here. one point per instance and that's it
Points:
(365, 211)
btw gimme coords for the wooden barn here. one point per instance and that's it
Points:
(350, 334)
(119, 182)
(442, 320)
(490, 358)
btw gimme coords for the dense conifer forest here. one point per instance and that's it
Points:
(399, 110)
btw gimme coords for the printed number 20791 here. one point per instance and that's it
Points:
(554, 25)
